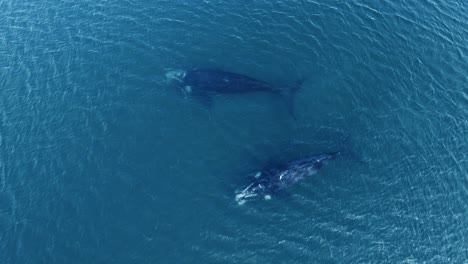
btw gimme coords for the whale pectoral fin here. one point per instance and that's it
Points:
(205, 99)
(288, 94)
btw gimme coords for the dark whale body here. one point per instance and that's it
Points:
(216, 81)
(204, 83)
(273, 179)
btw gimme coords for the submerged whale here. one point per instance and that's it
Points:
(204, 83)
(277, 178)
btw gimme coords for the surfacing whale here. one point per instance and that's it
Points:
(204, 83)
(271, 180)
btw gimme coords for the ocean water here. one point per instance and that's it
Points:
(101, 161)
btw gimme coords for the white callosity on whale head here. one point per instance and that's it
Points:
(242, 196)
(281, 175)
(175, 75)
(187, 89)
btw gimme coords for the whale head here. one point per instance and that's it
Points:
(176, 76)
(250, 192)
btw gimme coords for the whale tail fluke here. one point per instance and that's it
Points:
(335, 154)
(288, 96)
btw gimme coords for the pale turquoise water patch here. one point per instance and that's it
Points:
(102, 162)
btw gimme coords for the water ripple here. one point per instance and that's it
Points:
(102, 162)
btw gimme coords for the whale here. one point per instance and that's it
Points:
(277, 178)
(204, 83)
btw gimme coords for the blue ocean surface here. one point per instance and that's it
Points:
(102, 161)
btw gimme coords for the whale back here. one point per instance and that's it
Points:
(212, 80)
